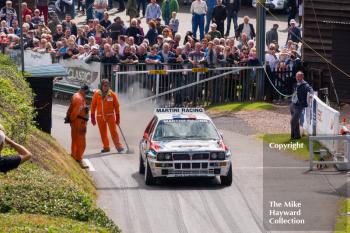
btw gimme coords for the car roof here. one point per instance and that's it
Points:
(181, 113)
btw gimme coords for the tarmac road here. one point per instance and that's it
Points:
(201, 205)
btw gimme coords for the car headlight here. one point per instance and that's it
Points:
(167, 156)
(214, 155)
(160, 156)
(221, 155)
(164, 157)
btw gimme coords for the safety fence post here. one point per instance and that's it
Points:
(311, 153)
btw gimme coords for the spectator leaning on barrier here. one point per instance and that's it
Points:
(8, 163)
(299, 102)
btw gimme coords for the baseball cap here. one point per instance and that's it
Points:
(85, 88)
(214, 25)
(292, 21)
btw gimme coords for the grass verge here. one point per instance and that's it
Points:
(42, 224)
(245, 106)
(51, 193)
(343, 221)
(300, 153)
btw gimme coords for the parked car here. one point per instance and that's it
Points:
(279, 5)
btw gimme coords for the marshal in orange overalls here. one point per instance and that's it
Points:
(107, 108)
(78, 121)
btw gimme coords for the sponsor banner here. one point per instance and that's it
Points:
(79, 72)
(31, 59)
(321, 119)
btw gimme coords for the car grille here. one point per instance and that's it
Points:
(195, 156)
(200, 156)
(191, 172)
(181, 157)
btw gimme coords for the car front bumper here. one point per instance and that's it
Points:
(185, 168)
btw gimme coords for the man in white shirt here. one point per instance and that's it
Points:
(198, 9)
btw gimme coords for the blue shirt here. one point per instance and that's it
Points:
(152, 11)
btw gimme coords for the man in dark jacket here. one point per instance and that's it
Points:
(219, 15)
(232, 7)
(246, 27)
(294, 33)
(272, 35)
(299, 102)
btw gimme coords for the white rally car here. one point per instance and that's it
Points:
(183, 142)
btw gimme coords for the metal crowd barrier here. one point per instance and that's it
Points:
(144, 80)
(342, 164)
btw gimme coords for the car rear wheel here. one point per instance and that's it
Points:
(227, 180)
(141, 166)
(149, 178)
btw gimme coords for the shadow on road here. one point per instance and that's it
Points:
(186, 183)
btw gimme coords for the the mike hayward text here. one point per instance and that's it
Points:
(285, 213)
(286, 146)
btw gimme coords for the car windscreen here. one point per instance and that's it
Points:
(185, 129)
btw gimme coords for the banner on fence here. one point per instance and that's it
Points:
(31, 59)
(321, 119)
(79, 72)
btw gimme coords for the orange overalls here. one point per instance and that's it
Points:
(78, 121)
(107, 108)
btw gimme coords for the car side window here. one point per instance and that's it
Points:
(149, 126)
(153, 125)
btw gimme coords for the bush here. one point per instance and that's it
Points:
(34, 190)
(16, 111)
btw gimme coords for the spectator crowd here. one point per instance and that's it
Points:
(125, 41)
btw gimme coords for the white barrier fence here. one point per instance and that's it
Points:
(320, 119)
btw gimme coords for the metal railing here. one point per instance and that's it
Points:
(343, 163)
(185, 85)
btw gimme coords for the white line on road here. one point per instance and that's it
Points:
(91, 168)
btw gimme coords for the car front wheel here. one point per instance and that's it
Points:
(227, 180)
(141, 166)
(149, 178)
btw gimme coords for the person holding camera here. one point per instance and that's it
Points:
(8, 163)
(77, 117)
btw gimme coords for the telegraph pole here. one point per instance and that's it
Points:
(20, 22)
(260, 46)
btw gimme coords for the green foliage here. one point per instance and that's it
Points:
(245, 106)
(45, 224)
(53, 185)
(33, 190)
(343, 220)
(16, 111)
